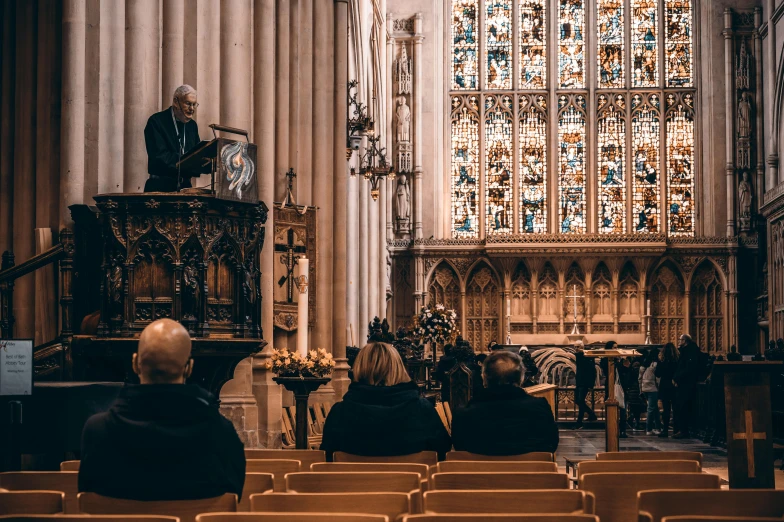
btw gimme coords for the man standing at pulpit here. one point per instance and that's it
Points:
(169, 136)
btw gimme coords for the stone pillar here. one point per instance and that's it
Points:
(306, 131)
(72, 129)
(111, 97)
(353, 261)
(340, 379)
(141, 86)
(760, 181)
(281, 99)
(294, 92)
(268, 393)
(418, 138)
(364, 260)
(173, 50)
(373, 257)
(732, 302)
(205, 68)
(7, 85)
(729, 167)
(383, 280)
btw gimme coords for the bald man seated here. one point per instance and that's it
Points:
(503, 419)
(162, 439)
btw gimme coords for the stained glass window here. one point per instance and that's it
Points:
(610, 32)
(611, 164)
(571, 164)
(680, 164)
(465, 166)
(498, 164)
(678, 60)
(645, 163)
(533, 163)
(498, 44)
(571, 42)
(464, 45)
(533, 44)
(644, 34)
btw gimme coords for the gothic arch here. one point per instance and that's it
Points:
(706, 303)
(601, 294)
(574, 281)
(548, 312)
(521, 296)
(629, 295)
(483, 306)
(444, 288)
(667, 294)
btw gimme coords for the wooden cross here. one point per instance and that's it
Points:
(289, 260)
(750, 436)
(575, 329)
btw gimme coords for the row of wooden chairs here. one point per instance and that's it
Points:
(346, 517)
(317, 416)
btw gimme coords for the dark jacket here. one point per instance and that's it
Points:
(734, 357)
(688, 368)
(586, 371)
(384, 421)
(665, 371)
(505, 421)
(445, 364)
(161, 442)
(164, 151)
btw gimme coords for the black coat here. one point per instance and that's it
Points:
(384, 421)
(505, 421)
(665, 371)
(445, 363)
(688, 369)
(161, 442)
(163, 150)
(586, 371)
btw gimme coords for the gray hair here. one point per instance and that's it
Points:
(579, 343)
(183, 91)
(687, 337)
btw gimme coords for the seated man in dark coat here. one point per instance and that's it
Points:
(162, 439)
(504, 419)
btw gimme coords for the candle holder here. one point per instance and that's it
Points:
(647, 329)
(301, 387)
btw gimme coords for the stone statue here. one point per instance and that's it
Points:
(403, 113)
(744, 116)
(744, 196)
(403, 199)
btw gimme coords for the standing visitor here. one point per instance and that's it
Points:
(649, 386)
(585, 379)
(686, 378)
(665, 372)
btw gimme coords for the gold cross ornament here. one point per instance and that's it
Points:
(750, 436)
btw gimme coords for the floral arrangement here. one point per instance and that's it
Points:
(316, 363)
(435, 324)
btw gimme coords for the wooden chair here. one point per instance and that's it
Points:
(714, 518)
(473, 466)
(70, 465)
(631, 466)
(277, 467)
(651, 455)
(447, 412)
(290, 517)
(31, 502)
(185, 510)
(506, 517)
(423, 457)
(390, 504)
(405, 467)
(442, 416)
(503, 480)
(539, 456)
(616, 493)
(88, 518)
(655, 505)
(305, 457)
(507, 501)
(328, 482)
(63, 481)
(257, 483)
(320, 416)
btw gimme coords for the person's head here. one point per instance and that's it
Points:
(685, 340)
(669, 353)
(480, 359)
(610, 345)
(164, 353)
(522, 351)
(780, 343)
(650, 357)
(733, 349)
(379, 364)
(184, 103)
(771, 344)
(502, 368)
(579, 346)
(491, 346)
(447, 349)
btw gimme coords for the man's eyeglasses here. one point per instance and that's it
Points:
(189, 104)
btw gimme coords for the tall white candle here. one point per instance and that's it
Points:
(302, 307)
(508, 307)
(648, 307)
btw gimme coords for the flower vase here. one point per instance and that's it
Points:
(301, 387)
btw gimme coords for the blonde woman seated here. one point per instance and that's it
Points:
(382, 413)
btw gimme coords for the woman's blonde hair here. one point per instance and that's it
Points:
(379, 364)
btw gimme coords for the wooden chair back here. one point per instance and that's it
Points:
(658, 504)
(504, 480)
(539, 456)
(185, 510)
(257, 483)
(447, 412)
(714, 518)
(339, 467)
(70, 465)
(442, 416)
(328, 482)
(461, 385)
(472, 466)
(277, 467)
(320, 416)
(31, 502)
(423, 457)
(88, 518)
(305, 457)
(507, 501)
(64, 481)
(290, 517)
(506, 517)
(651, 455)
(630, 466)
(616, 493)
(390, 504)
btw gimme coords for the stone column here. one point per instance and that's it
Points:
(7, 85)
(111, 97)
(294, 92)
(729, 167)
(353, 260)
(173, 50)
(268, 393)
(72, 129)
(141, 86)
(383, 279)
(418, 137)
(281, 99)
(364, 260)
(732, 302)
(760, 181)
(306, 131)
(206, 68)
(340, 379)
(373, 257)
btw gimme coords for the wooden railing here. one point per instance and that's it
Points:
(54, 356)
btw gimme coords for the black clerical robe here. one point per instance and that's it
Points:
(168, 140)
